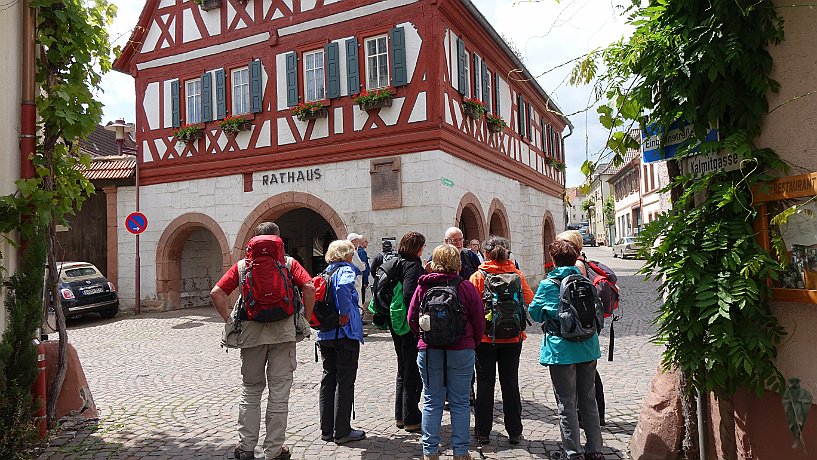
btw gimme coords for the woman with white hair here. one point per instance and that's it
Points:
(340, 348)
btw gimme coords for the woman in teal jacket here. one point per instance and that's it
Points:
(572, 364)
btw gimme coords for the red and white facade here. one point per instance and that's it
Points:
(256, 59)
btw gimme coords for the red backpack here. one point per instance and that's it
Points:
(605, 281)
(325, 314)
(266, 287)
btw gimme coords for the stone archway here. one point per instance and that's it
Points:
(172, 246)
(276, 206)
(470, 219)
(548, 236)
(498, 220)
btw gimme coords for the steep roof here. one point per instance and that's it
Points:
(102, 142)
(106, 163)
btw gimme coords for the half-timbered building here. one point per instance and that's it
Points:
(413, 161)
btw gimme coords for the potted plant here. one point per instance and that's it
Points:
(375, 99)
(188, 133)
(208, 5)
(555, 164)
(495, 123)
(310, 110)
(474, 108)
(233, 125)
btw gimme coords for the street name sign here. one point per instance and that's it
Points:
(676, 136)
(698, 165)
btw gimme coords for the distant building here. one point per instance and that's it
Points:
(599, 190)
(573, 207)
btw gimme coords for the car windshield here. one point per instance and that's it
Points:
(628, 240)
(78, 272)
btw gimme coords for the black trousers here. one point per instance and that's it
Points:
(408, 385)
(503, 357)
(337, 393)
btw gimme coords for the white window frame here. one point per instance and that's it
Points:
(312, 73)
(477, 83)
(467, 71)
(240, 90)
(384, 53)
(192, 97)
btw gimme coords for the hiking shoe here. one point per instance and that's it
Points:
(484, 439)
(243, 454)
(327, 437)
(413, 428)
(399, 424)
(284, 455)
(354, 435)
(463, 457)
(515, 439)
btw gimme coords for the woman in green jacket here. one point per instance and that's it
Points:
(572, 364)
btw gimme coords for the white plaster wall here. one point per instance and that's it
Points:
(190, 30)
(505, 102)
(167, 104)
(10, 61)
(428, 207)
(153, 36)
(281, 80)
(150, 104)
(413, 45)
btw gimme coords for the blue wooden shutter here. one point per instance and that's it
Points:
(206, 97)
(542, 135)
(528, 122)
(461, 66)
(292, 79)
(476, 77)
(256, 87)
(175, 104)
(221, 95)
(496, 94)
(352, 67)
(486, 84)
(520, 115)
(399, 70)
(332, 71)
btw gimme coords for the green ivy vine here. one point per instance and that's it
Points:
(704, 64)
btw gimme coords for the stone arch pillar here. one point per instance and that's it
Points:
(169, 254)
(470, 219)
(548, 236)
(278, 205)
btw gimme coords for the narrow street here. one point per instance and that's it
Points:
(165, 389)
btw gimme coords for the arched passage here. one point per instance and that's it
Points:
(470, 218)
(191, 256)
(498, 220)
(307, 225)
(548, 236)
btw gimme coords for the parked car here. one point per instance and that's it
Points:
(588, 239)
(84, 289)
(626, 247)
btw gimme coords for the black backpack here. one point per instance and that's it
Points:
(325, 314)
(504, 308)
(580, 314)
(385, 278)
(446, 324)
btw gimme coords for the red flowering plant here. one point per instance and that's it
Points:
(475, 106)
(496, 120)
(188, 133)
(232, 125)
(307, 110)
(368, 98)
(556, 164)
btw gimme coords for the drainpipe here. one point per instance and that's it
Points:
(28, 109)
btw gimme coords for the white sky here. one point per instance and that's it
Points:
(547, 32)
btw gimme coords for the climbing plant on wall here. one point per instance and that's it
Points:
(703, 64)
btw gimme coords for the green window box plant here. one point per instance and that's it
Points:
(474, 108)
(208, 5)
(188, 133)
(495, 123)
(234, 125)
(375, 99)
(310, 110)
(555, 164)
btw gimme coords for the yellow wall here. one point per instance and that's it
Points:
(790, 131)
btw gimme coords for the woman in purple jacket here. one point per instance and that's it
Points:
(447, 370)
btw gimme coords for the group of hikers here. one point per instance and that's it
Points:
(455, 319)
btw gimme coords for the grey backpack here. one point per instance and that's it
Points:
(580, 314)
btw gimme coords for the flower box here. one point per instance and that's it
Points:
(208, 5)
(374, 105)
(495, 126)
(188, 134)
(471, 112)
(313, 114)
(231, 126)
(473, 108)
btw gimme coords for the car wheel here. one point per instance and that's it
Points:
(614, 254)
(109, 313)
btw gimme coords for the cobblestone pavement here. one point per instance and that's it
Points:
(165, 389)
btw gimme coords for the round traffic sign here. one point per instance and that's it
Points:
(136, 222)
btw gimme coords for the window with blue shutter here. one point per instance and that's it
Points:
(256, 87)
(529, 121)
(175, 104)
(542, 135)
(206, 97)
(399, 70)
(461, 66)
(476, 77)
(496, 94)
(352, 67)
(520, 115)
(332, 71)
(292, 79)
(486, 84)
(221, 95)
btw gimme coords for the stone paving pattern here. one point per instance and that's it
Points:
(165, 389)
